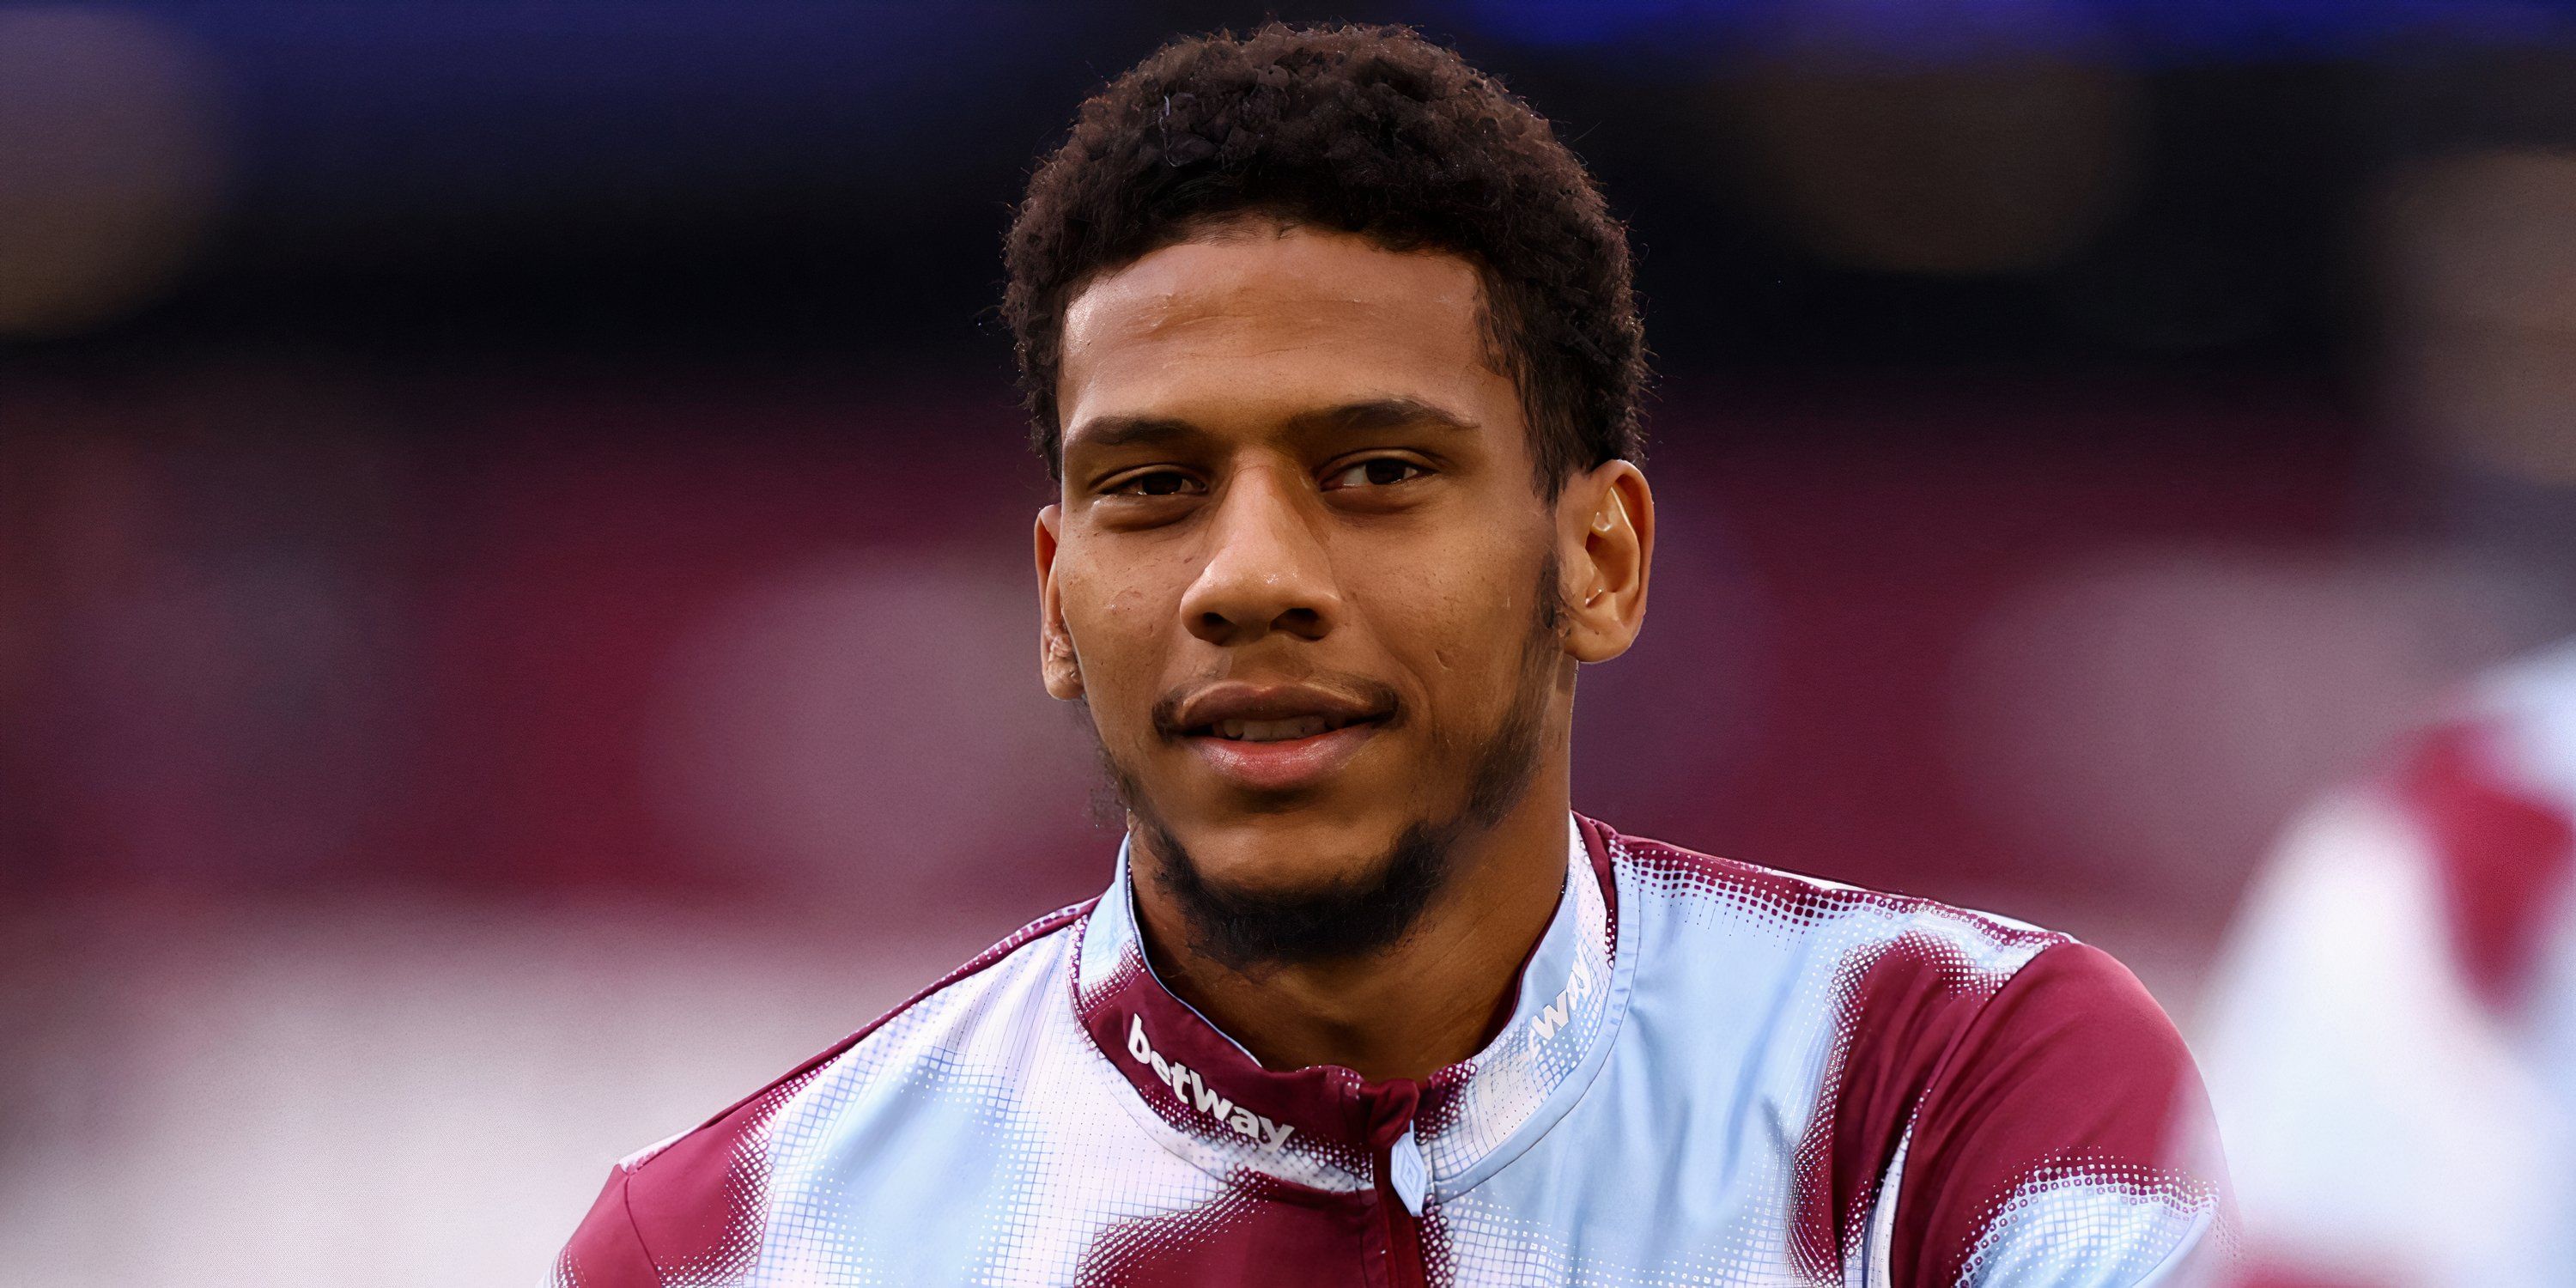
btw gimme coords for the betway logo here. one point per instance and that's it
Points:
(1552, 1016)
(1193, 1091)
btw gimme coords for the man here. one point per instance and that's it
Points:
(2393, 1030)
(1330, 345)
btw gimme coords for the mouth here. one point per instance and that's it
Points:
(1272, 741)
(1286, 730)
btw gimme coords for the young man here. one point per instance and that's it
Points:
(1331, 346)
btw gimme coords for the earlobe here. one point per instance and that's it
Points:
(1060, 669)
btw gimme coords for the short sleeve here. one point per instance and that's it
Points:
(2064, 1140)
(605, 1251)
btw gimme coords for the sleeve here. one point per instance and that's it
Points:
(2064, 1140)
(606, 1251)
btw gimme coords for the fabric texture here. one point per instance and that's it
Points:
(1712, 1074)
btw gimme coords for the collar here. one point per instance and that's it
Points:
(1325, 1128)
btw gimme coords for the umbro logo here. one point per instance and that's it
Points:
(1194, 1092)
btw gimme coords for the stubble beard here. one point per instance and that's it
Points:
(1250, 931)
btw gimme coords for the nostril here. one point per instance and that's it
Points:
(1299, 621)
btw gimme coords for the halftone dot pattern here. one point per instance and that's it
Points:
(1868, 1265)
(1468, 1110)
(1821, 940)
(2089, 1220)
(1176, 1234)
(1477, 1105)
(1110, 964)
(1303, 1160)
(1705, 890)
(738, 1252)
(1840, 932)
(1967, 958)
(1673, 1128)
(1484, 1245)
(1011, 1082)
(1082, 1170)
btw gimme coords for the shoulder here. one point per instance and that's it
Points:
(1012, 955)
(1897, 993)
(1959, 1062)
(1883, 950)
(692, 1199)
(1870, 939)
(2076, 1046)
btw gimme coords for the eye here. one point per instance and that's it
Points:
(1376, 471)
(1154, 483)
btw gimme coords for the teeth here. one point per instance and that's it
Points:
(1272, 730)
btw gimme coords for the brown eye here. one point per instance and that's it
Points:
(1157, 483)
(1376, 471)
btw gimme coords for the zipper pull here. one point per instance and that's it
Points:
(1407, 1172)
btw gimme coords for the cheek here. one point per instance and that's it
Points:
(1117, 627)
(1463, 638)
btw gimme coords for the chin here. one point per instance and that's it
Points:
(1292, 854)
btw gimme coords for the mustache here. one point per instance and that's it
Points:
(1371, 694)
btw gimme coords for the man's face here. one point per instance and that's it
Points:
(1297, 566)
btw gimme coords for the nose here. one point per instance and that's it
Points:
(1266, 572)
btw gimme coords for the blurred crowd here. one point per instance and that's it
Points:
(513, 550)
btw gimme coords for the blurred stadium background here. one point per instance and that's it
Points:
(515, 623)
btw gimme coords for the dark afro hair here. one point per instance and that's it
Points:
(1369, 130)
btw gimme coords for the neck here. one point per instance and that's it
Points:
(1429, 1001)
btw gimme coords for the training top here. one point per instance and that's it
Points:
(2391, 1028)
(1713, 1074)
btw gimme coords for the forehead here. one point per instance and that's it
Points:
(1257, 324)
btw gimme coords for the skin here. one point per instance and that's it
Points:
(1293, 471)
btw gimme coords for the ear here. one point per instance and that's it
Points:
(1606, 535)
(1057, 665)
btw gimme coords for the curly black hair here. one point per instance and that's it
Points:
(1365, 129)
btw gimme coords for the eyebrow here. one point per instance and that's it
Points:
(1378, 413)
(1104, 433)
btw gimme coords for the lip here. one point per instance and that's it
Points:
(1236, 700)
(1288, 765)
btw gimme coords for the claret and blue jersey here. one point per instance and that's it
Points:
(1713, 1074)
